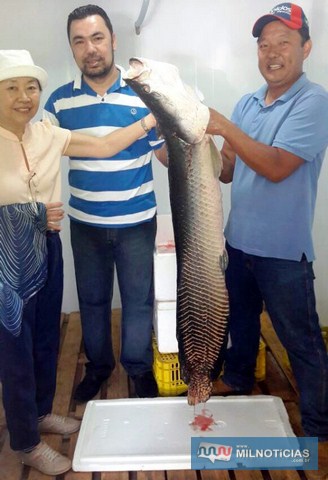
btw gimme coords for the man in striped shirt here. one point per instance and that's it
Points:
(112, 207)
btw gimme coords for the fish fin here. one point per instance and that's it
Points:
(224, 260)
(216, 158)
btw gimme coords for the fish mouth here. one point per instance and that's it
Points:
(138, 70)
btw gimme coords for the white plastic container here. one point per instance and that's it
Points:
(165, 269)
(164, 233)
(165, 327)
(155, 434)
(165, 273)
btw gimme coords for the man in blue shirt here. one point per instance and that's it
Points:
(112, 207)
(273, 151)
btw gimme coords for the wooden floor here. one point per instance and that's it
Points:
(279, 381)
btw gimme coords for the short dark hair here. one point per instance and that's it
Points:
(305, 34)
(86, 11)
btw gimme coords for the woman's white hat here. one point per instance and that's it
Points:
(19, 63)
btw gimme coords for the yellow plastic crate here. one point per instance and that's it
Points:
(260, 369)
(166, 370)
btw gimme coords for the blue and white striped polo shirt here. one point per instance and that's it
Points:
(107, 192)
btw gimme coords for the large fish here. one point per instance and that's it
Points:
(195, 197)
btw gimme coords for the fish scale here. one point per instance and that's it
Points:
(196, 205)
(202, 299)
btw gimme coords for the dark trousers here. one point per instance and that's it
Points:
(287, 289)
(97, 251)
(28, 362)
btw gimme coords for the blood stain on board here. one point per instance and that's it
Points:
(203, 421)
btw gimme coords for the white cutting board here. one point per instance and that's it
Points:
(155, 434)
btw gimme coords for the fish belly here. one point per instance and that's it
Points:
(202, 298)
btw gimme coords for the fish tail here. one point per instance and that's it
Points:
(199, 388)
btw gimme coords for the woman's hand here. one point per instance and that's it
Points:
(54, 215)
(150, 121)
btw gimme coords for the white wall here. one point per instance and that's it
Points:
(209, 40)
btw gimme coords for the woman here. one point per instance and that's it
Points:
(30, 212)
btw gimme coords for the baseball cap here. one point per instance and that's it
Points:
(19, 63)
(290, 14)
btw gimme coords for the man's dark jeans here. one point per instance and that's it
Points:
(286, 288)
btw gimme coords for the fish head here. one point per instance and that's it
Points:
(176, 107)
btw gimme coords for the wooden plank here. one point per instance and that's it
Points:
(115, 476)
(73, 341)
(248, 475)
(67, 366)
(9, 461)
(257, 389)
(181, 475)
(279, 381)
(214, 475)
(151, 475)
(70, 346)
(80, 366)
(284, 475)
(295, 418)
(71, 475)
(10, 466)
(117, 386)
(118, 382)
